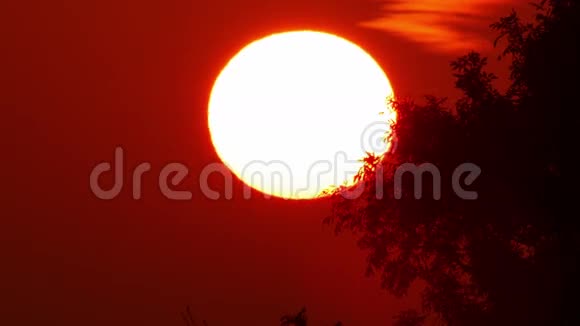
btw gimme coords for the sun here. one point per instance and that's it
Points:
(293, 113)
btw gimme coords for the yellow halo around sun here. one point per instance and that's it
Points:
(292, 114)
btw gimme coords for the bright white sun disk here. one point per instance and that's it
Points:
(287, 113)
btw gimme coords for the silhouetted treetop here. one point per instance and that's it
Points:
(503, 258)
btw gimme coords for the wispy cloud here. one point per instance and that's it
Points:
(443, 25)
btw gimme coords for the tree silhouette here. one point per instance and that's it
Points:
(298, 319)
(188, 319)
(505, 257)
(409, 318)
(294, 320)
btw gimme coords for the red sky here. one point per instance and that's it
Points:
(80, 78)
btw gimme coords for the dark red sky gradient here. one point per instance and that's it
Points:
(80, 78)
